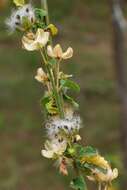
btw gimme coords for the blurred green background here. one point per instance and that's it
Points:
(86, 26)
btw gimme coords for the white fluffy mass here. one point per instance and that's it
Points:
(68, 126)
(16, 18)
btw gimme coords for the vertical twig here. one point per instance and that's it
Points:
(57, 96)
(44, 5)
(106, 187)
(99, 186)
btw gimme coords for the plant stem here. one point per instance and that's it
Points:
(58, 97)
(44, 5)
(76, 168)
(99, 186)
(57, 73)
(106, 187)
(56, 94)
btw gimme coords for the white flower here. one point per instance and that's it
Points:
(36, 41)
(101, 177)
(16, 19)
(54, 148)
(57, 52)
(41, 76)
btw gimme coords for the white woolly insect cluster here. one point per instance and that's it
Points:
(60, 132)
(16, 19)
(63, 128)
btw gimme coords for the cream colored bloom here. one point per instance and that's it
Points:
(57, 52)
(54, 149)
(36, 41)
(41, 76)
(101, 177)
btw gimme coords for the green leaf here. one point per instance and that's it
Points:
(78, 183)
(49, 104)
(70, 84)
(85, 151)
(45, 100)
(38, 25)
(51, 107)
(88, 151)
(70, 100)
(52, 61)
(19, 3)
(40, 13)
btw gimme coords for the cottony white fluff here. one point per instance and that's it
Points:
(15, 20)
(69, 126)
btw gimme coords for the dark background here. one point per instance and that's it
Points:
(87, 27)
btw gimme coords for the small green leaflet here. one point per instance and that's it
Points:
(78, 183)
(88, 151)
(19, 3)
(45, 100)
(85, 151)
(51, 107)
(70, 84)
(40, 13)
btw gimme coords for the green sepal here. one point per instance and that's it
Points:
(78, 183)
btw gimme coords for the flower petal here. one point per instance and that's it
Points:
(68, 54)
(42, 37)
(47, 154)
(38, 78)
(58, 51)
(115, 173)
(41, 76)
(29, 44)
(50, 51)
(40, 72)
